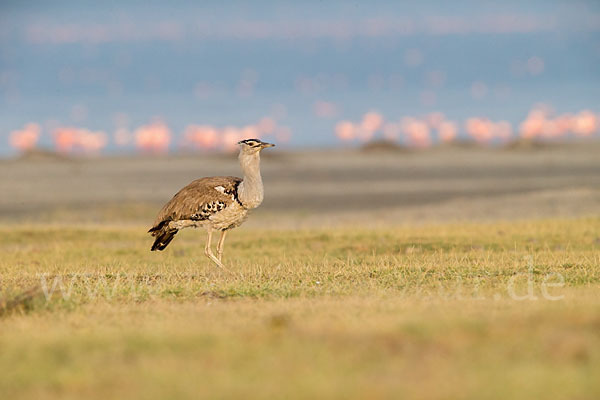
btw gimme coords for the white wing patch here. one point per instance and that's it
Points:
(222, 189)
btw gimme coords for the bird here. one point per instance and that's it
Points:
(217, 203)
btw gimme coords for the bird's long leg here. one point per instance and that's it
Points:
(220, 245)
(209, 253)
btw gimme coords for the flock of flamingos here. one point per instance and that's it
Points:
(541, 123)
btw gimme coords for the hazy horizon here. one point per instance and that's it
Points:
(303, 68)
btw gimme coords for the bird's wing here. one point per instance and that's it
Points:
(199, 200)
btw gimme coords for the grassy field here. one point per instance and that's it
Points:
(470, 310)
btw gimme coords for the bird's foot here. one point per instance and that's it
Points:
(221, 265)
(218, 263)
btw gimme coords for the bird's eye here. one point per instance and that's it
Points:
(251, 142)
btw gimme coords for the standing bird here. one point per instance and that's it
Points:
(215, 203)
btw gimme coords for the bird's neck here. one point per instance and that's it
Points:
(250, 191)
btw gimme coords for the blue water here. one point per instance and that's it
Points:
(194, 68)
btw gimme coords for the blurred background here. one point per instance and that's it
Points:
(466, 99)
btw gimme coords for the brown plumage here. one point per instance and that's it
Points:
(217, 203)
(196, 202)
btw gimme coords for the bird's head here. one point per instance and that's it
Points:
(252, 146)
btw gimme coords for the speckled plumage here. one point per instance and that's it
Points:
(215, 203)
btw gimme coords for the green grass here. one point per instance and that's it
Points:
(485, 311)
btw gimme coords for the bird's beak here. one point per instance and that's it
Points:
(264, 144)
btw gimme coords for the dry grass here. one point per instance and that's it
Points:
(420, 312)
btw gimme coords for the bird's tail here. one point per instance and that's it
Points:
(163, 235)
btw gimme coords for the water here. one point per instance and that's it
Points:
(98, 67)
